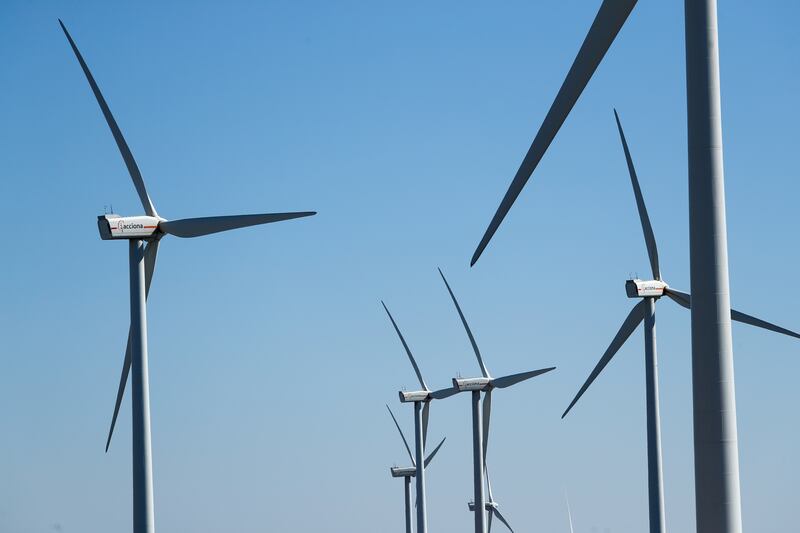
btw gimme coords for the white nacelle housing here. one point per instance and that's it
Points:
(470, 384)
(116, 227)
(404, 471)
(637, 288)
(415, 396)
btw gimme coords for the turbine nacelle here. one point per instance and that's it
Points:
(414, 396)
(489, 506)
(637, 288)
(114, 227)
(471, 384)
(403, 471)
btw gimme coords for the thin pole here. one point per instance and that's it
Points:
(654, 470)
(477, 462)
(716, 449)
(407, 483)
(422, 519)
(143, 518)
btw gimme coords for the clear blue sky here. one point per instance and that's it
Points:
(402, 124)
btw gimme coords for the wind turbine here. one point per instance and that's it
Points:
(138, 230)
(480, 420)
(649, 291)
(491, 507)
(407, 472)
(716, 449)
(422, 404)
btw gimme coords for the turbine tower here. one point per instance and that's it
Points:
(143, 234)
(407, 472)
(649, 291)
(491, 508)
(480, 419)
(422, 404)
(716, 449)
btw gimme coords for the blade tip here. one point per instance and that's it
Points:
(475, 257)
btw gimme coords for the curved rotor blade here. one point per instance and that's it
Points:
(489, 526)
(408, 350)
(466, 327)
(502, 519)
(441, 394)
(569, 514)
(487, 413)
(127, 156)
(197, 227)
(607, 23)
(757, 322)
(488, 482)
(685, 300)
(408, 449)
(628, 326)
(150, 253)
(426, 413)
(647, 229)
(513, 379)
(681, 298)
(433, 453)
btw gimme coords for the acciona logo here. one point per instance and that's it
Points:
(124, 227)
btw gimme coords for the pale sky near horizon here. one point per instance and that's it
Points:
(271, 358)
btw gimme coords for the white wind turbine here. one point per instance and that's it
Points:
(491, 507)
(480, 418)
(143, 234)
(649, 291)
(407, 472)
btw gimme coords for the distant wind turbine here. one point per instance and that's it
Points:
(408, 472)
(138, 230)
(491, 507)
(649, 291)
(480, 420)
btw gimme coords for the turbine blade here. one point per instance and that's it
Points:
(686, 301)
(757, 322)
(408, 350)
(491, 513)
(441, 394)
(487, 414)
(433, 453)
(123, 380)
(628, 326)
(681, 298)
(408, 449)
(150, 253)
(127, 156)
(196, 227)
(488, 482)
(426, 413)
(569, 514)
(607, 23)
(503, 520)
(513, 379)
(466, 327)
(647, 229)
